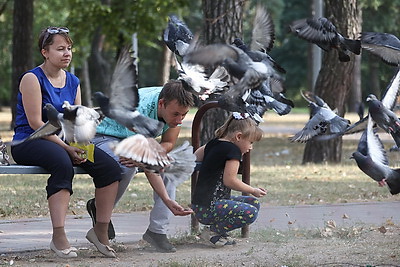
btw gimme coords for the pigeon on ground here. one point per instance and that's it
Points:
(323, 33)
(123, 102)
(77, 124)
(177, 36)
(384, 45)
(323, 121)
(179, 163)
(371, 158)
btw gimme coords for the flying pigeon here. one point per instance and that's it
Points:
(179, 163)
(195, 78)
(245, 73)
(388, 103)
(384, 45)
(372, 160)
(384, 118)
(177, 36)
(323, 121)
(123, 102)
(182, 167)
(200, 82)
(77, 124)
(262, 39)
(323, 33)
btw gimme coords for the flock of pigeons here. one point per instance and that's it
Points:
(325, 124)
(242, 78)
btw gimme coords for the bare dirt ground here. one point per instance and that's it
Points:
(330, 246)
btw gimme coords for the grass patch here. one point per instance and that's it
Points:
(275, 165)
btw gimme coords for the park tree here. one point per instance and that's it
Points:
(222, 23)
(22, 45)
(335, 78)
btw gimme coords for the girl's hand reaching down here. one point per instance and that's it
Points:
(259, 192)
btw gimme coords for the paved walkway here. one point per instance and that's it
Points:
(34, 234)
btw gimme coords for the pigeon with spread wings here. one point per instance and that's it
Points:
(323, 121)
(270, 93)
(195, 78)
(177, 165)
(384, 45)
(385, 118)
(323, 33)
(371, 158)
(77, 124)
(123, 102)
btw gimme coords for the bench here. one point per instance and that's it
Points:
(23, 169)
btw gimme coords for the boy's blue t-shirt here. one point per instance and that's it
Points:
(148, 106)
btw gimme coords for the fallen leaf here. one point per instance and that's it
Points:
(331, 224)
(389, 222)
(382, 229)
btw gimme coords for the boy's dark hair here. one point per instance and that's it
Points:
(174, 90)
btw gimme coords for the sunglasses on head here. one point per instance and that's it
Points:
(54, 30)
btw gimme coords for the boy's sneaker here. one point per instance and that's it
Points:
(91, 208)
(159, 241)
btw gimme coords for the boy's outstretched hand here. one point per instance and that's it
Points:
(177, 209)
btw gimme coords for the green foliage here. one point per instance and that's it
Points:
(379, 10)
(5, 51)
(118, 20)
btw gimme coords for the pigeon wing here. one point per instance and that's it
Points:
(143, 150)
(263, 34)
(184, 162)
(384, 45)
(124, 90)
(390, 98)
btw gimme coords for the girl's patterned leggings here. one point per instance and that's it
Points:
(228, 214)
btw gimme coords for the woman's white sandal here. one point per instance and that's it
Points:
(64, 253)
(103, 249)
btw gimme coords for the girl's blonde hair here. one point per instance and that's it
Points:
(248, 127)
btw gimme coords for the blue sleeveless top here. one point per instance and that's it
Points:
(148, 106)
(50, 94)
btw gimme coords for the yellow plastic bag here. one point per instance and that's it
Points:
(89, 150)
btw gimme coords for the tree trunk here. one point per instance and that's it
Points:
(223, 23)
(335, 78)
(354, 102)
(22, 58)
(99, 68)
(86, 88)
